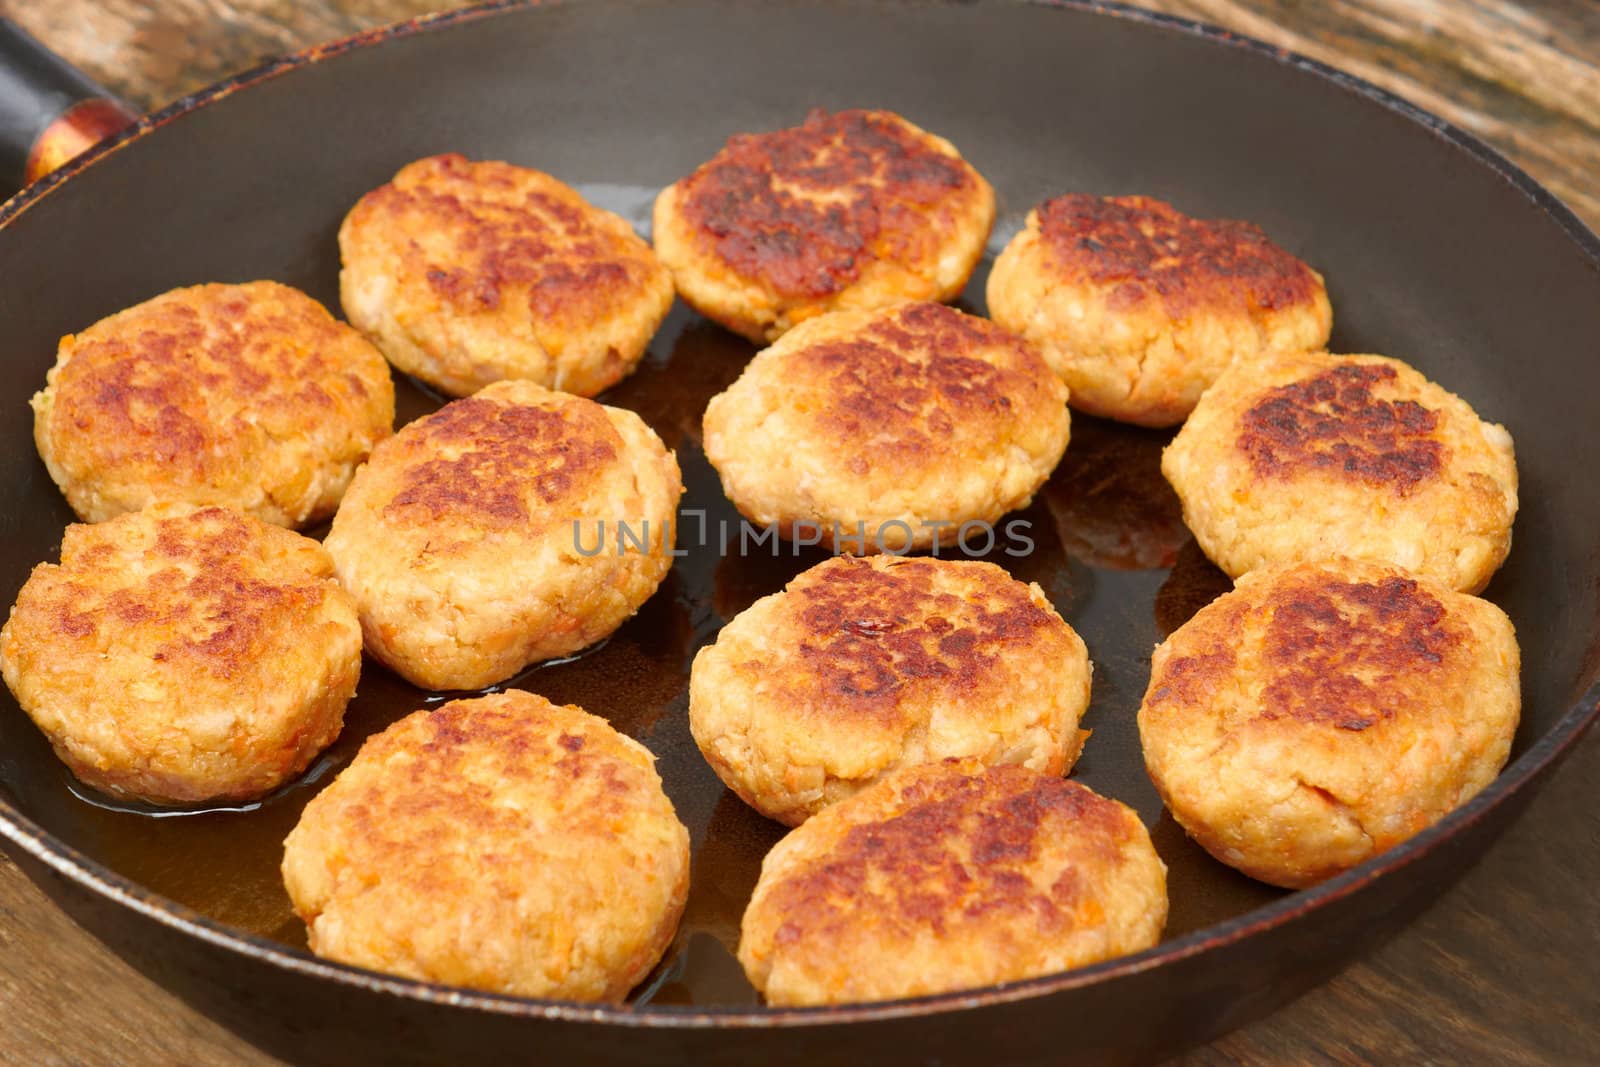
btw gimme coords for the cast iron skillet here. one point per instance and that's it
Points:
(1436, 250)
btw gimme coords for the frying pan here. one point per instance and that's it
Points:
(1435, 248)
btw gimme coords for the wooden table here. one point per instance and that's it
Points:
(1505, 968)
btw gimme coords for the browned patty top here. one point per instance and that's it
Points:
(926, 377)
(426, 772)
(504, 464)
(805, 209)
(868, 631)
(208, 590)
(1147, 249)
(182, 384)
(1332, 422)
(954, 850)
(486, 233)
(1334, 653)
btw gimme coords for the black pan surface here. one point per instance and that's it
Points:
(1435, 250)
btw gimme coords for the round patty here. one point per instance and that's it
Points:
(180, 655)
(504, 843)
(466, 273)
(1307, 456)
(950, 876)
(249, 396)
(858, 209)
(887, 430)
(862, 666)
(1139, 307)
(509, 527)
(1321, 713)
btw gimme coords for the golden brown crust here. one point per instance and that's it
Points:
(1322, 639)
(950, 876)
(1332, 422)
(803, 210)
(920, 377)
(500, 465)
(871, 637)
(180, 655)
(485, 536)
(1321, 713)
(862, 666)
(502, 843)
(1145, 249)
(852, 209)
(1140, 308)
(915, 414)
(466, 273)
(1309, 455)
(250, 396)
(906, 871)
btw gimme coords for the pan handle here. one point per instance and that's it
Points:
(49, 111)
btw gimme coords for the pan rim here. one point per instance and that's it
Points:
(69, 863)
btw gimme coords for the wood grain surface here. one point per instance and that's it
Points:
(1504, 968)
